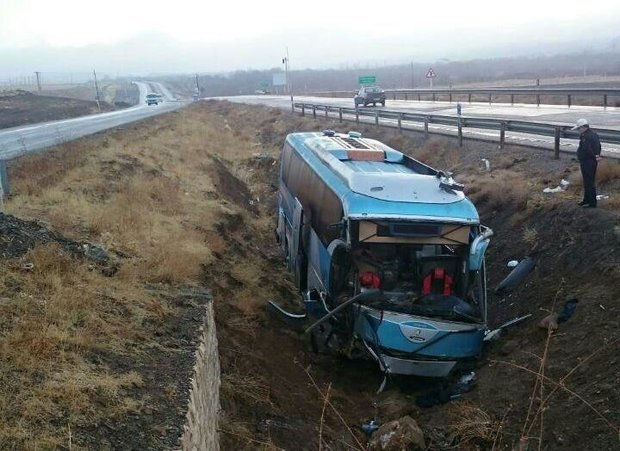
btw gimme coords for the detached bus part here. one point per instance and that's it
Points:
(387, 252)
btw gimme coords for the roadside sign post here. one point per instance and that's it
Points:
(279, 80)
(367, 79)
(430, 74)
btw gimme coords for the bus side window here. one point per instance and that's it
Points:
(294, 169)
(287, 152)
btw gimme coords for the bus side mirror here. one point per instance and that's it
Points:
(476, 253)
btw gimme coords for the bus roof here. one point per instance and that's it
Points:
(375, 181)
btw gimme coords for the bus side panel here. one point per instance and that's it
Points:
(287, 203)
(318, 263)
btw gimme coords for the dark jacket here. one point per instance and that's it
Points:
(589, 146)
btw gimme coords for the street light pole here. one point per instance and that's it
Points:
(289, 83)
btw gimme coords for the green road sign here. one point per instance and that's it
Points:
(367, 79)
(263, 85)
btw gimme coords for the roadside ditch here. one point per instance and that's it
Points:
(185, 203)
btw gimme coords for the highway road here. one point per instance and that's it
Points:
(552, 114)
(18, 141)
(161, 89)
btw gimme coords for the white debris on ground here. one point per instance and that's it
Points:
(563, 186)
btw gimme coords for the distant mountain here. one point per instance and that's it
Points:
(313, 48)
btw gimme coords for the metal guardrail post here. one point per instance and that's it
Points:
(406, 97)
(326, 111)
(569, 100)
(400, 121)
(433, 97)
(419, 97)
(459, 124)
(512, 99)
(376, 117)
(502, 135)
(394, 96)
(469, 97)
(490, 97)
(450, 97)
(357, 116)
(4, 179)
(303, 109)
(426, 127)
(605, 101)
(340, 114)
(314, 111)
(556, 143)
(537, 99)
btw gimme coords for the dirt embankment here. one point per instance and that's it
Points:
(577, 252)
(22, 107)
(189, 197)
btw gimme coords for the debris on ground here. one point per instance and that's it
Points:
(448, 393)
(494, 334)
(370, 427)
(563, 186)
(522, 269)
(549, 322)
(398, 435)
(601, 196)
(569, 308)
(485, 164)
(512, 263)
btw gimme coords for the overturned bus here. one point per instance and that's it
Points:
(387, 252)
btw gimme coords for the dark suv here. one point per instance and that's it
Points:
(370, 94)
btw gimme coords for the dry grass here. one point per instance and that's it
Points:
(499, 189)
(144, 192)
(607, 171)
(440, 153)
(530, 235)
(49, 324)
(470, 424)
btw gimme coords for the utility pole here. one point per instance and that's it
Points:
(197, 96)
(289, 83)
(97, 91)
(38, 74)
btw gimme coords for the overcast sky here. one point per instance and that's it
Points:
(134, 36)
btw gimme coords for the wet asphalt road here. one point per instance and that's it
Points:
(18, 141)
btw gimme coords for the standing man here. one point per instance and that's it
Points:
(588, 154)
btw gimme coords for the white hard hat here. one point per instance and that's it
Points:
(580, 123)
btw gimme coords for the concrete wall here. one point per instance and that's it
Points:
(200, 430)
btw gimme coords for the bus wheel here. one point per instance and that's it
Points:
(320, 337)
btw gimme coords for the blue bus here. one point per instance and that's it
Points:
(387, 253)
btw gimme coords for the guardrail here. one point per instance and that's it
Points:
(412, 94)
(399, 119)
